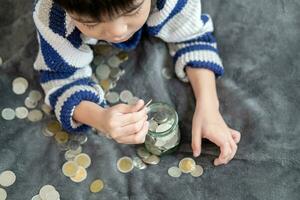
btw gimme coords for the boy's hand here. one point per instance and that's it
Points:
(125, 123)
(208, 123)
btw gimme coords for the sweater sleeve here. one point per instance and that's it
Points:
(188, 33)
(63, 62)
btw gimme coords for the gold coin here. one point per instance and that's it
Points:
(61, 137)
(53, 127)
(96, 186)
(125, 164)
(187, 165)
(105, 84)
(83, 160)
(70, 168)
(81, 175)
(102, 49)
(122, 55)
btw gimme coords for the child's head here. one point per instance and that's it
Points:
(110, 20)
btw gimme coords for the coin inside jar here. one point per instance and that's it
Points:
(125, 164)
(160, 117)
(187, 165)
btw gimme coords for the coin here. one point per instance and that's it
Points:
(138, 163)
(167, 74)
(125, 164)
(174, 172)
(19, 85)
(53, 127)
(70, 168)
(8, 114)
(61, 137)
(198, 171)
(1, 61)
(80, 176)
(125, 95)
(163, 127)
(70, 154)
(122, 55)
(143, 153)
(160, 117)
(21, 112)
(46, 109)
(105, 84)
(187, 165)
(45, 189)
(35, 95)
(152, 160)
(83, 160)
(52, 195)
(7, 178)
(115, 73)
(114, 61)
(36, 197)
(35, 115)
(133, 100)
(96, 186)
(73, 144)
(3, 194)
(29, 103)
(102, 71)
(112, 97)
(153, 125)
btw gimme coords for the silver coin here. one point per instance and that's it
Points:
(29, 103)
(114, 61)
(35, 95)
(73, 145)
(133, 100)
(102, 71)
(46, 109)
(125, 95)
(3, 194)
(153, 125)
(167, 74)
(21, 112)
(174, 172)
(35, 115)
(8, 114)
(98, 60)
(19, 85)
(115, 73)
(7, 178)
(46, 189)
(152, 160)
(52, 195)
(163, 127)
(160, 117)
(138, 163)
(71, 154)
(36, 197)
(112, 97)
(198, 171)
(143, 153)
(47, 133)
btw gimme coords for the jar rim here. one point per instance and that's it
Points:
(164, 133)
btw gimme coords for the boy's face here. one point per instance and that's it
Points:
(117, 30)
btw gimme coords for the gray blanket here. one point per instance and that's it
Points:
(259, 95)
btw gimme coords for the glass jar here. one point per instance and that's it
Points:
(163, 135)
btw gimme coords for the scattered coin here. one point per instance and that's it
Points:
(96, 186)
(198, 171)
(174, 172)
(21, 112)
(19, 85)
(83, 160)
(35, 115)
(3, 194)
(167, 74)
(36, 197)
(143, 153)
(52, 128)
(133, 100)
(112, 97)
(70, 168)
(7, 178)
(61, 137)
(80, 176)
(29, 103)
(152, 160)
(102, 71)
(52, 195)
(35, 95)
(46, 189)
(46, 109)
(187, 165)
(8, 114)
(125, 95)
(138, 163)
(114, 61)
(125, 164)
(122, 55)
(105, 84)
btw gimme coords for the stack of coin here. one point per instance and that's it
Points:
(7, 178)
(47, 192)
(188, 166)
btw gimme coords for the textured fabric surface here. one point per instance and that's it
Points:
(259, 95)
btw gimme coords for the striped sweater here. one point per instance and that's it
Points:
(64, 54)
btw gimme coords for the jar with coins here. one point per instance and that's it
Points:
(163, 135)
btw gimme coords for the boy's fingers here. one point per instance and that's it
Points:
(133, 117)
(233, 148)
(235, 135)
(137, 138)
(124, 108)
(133, 128)
(224, 155)
(196, 139)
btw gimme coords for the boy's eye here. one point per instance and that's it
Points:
(136, 12)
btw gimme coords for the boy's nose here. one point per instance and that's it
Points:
(118, 31)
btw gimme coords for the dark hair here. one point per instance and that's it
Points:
(98, 9)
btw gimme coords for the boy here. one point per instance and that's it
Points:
(64, 58)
